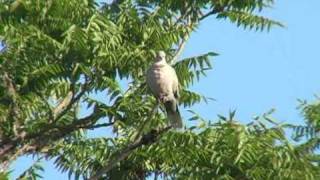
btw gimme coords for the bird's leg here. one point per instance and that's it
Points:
(163, 98)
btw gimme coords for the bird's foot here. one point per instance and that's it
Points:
(163, 98)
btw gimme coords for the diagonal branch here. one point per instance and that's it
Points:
(186, 36)
(181, 47)
(207, 15)
(98, 125)
(67, 103)
(150, 116)
(183, 42)
(146, 139)
(63, 104)
(217, 9)
(189, 24)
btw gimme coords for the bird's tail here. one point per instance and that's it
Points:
(173, 114)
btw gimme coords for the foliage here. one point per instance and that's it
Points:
(223, 150)
(32, 173)
(59, 54)
(4, 175)
(308, 135)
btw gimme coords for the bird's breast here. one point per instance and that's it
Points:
(160, 81)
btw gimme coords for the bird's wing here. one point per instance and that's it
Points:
(151, 81)
(175, 82)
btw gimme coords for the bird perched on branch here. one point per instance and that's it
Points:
(163, 82)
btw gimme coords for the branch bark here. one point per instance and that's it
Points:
(63, 104)
(68, 102)
(14, 107)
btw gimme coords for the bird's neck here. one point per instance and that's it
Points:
(161, 62)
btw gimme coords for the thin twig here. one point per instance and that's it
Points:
(187, 34)
(180, 48)
(183, 42)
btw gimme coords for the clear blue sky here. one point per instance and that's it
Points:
(255, 71)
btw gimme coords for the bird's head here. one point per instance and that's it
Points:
(161, 55)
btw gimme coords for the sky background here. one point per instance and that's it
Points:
(255, 71)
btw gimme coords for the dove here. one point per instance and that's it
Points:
(164, 85)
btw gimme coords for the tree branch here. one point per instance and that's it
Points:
(216, 10)
(46, 136)
(68, 102)
(184, 40)
(98, 125)
(49, 133)
(147, 139)
(150, 116)
(180, 48)
(207, 15)
(63, 104)
(14, 108)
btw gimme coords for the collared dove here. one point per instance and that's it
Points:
(163, 82)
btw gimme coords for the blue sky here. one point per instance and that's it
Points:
(255, 71)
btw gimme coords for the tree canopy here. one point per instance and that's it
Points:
(58, 54)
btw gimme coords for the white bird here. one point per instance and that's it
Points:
(163, 82)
